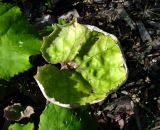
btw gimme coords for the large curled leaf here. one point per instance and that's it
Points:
(59, 118)
(17, 126)
(92, 65)
(17, 42)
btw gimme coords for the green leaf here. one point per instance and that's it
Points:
(17, 126)
(61, 21)
(59, 118)
(64, 42)
(68, 86)
(91, 61)
(17, 42)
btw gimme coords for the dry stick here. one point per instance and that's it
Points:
(154, 24)
(124, 15)
(143, 32)
(145, 35)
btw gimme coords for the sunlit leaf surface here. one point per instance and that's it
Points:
(17, 42)
(91, 65)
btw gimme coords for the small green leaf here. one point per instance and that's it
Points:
(91, 61)
(59, 118)
(17, 42)
(17, 126)
(61, 21)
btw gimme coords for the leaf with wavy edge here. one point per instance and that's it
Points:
(17, 42)
(94, 63)
(64, 42)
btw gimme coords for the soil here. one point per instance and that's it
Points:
(136, 23)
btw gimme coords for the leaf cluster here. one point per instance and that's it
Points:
(91, 61)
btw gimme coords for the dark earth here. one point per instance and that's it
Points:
(136, 23)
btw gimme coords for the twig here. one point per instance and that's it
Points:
(154, 24)
(124, 15)
(143, 32)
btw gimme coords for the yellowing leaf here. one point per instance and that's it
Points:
(91, 61)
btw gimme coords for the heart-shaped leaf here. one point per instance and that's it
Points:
(91, 61)
(17, 42)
